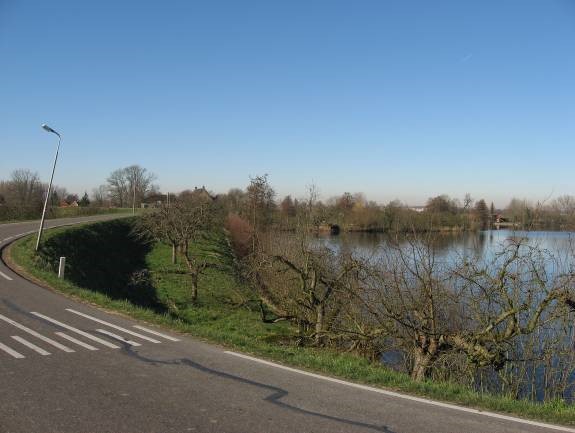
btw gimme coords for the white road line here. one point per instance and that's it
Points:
(159, 334)
(35, 334)
(78, 342)
(2, 274)
(30, 345)
(406, 397)
(111, 325)
(11, 352)
(118, 337)
(77, 331)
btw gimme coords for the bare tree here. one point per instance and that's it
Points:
(24, 188)
(308, 284)
(100, 196)
(129, 185)
(478, 309)
(118, 187)
(303, 281)
(140, 182)
(467, 202)
(565, 204)
(181, 224)
(260, 199)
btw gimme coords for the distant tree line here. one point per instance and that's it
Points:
(353, 212)
(23, 193)
(22, 196)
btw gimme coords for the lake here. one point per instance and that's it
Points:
(450, 246)
(482, 246)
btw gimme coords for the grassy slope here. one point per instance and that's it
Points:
(218, 318)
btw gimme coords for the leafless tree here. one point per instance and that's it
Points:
(260, 200)
(100, 196)
(477, 309)
(565, 205)
(24, 188)
(467, 202)
(130, 185)
(308, 284)
(303, 281)
(180, 224)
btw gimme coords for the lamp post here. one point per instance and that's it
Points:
(48, 129)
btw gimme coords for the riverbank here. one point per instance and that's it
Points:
(226, 312)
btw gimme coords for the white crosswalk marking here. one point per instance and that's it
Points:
(78, 342)
(111, 325)
(118, 337)
(77, 331)
(30, 345)
(159, 334)
(11, 351)
(36, 334)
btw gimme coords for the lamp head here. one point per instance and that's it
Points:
(47, 128)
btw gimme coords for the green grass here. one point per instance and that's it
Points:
(218, 317)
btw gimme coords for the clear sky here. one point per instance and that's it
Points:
(398, 99)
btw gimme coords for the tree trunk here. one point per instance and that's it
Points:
(174, 253)
(319, 323)
(421, 364)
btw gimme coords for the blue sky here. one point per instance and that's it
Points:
(398, 99)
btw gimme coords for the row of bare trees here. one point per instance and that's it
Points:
(503, 323)
(23, 188)
(22, 195)
(181, 224)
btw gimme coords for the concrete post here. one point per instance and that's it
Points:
(61, 267)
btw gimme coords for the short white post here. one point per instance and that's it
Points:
(61, 267)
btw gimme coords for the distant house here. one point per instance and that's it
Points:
(64, 203)
(416, 208)
(201, 193)
(154, 200)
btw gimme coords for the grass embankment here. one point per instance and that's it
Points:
(220, 315)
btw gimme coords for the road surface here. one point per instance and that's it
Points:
(69, 367)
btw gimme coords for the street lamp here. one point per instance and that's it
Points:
(48, 129)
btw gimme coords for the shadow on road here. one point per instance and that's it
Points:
(277, 394)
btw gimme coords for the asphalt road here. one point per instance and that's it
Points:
(62, 371)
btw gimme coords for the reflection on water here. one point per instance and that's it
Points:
(450, 246)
